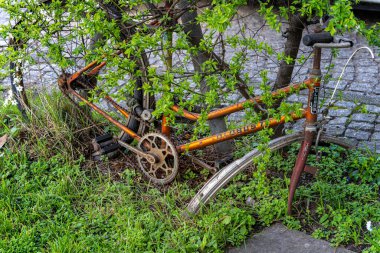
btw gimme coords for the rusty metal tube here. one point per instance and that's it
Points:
(241, 106)
(106, 115)
(234, 133)
(299, 166)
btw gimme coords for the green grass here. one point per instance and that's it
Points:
(54, 200)
(336, 205)
(53, 206)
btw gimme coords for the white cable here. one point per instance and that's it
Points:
(344, 68)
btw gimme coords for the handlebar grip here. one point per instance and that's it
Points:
(311, 39)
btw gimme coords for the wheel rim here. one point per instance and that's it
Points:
(223, 176)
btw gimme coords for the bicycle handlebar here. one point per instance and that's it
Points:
(325, 40)
(311, 39)
(334, 45)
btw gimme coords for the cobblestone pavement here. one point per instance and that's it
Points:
(356, 113)
(279, 239)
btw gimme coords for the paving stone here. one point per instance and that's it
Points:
(370, 99)
(335, 130)
(361, 86)
(375, 137)
(372, 69)
(349, 73)
(303, 72)
(360, 97)
(236, 116)
(373, 146)
(345, 104)
(340, 112)
(364, 62)
(369, 78)
(361, 126)
(364, 117)
(293, 98)
(341, 86)
(357, 134)
(279, 239)
(338, 121)
(376, 90)
(298, 125)
(373, 108)
(303, 100)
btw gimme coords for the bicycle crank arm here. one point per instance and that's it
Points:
(150, 158)
(201, 163)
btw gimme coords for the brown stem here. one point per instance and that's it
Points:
(284, 75)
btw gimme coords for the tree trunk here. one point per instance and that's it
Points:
(17, 81)
(284, 75)
(195, 35)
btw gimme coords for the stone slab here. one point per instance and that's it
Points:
(373, 108)
(338, 121)
(372, 146)
(357, 134)
(376, 137)
(335, 130)
(279, 239)
(364, 117)
(340, 112)
(361, 126)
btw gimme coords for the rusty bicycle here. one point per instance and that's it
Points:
(158, 156)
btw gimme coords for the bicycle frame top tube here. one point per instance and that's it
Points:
(241, 106)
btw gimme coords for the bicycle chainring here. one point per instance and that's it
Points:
(165, 167)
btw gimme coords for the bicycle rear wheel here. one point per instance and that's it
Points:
(225, 175)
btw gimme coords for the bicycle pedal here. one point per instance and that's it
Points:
(104, 144)
(108, 151)
(110, 148)
(103, 138)
(102, 141)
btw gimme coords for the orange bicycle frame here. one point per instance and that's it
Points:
(94, 67)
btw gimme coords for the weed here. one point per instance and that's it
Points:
(54, 206)
(49, 202)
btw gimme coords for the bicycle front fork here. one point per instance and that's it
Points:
(310, 128)
(299, 167)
